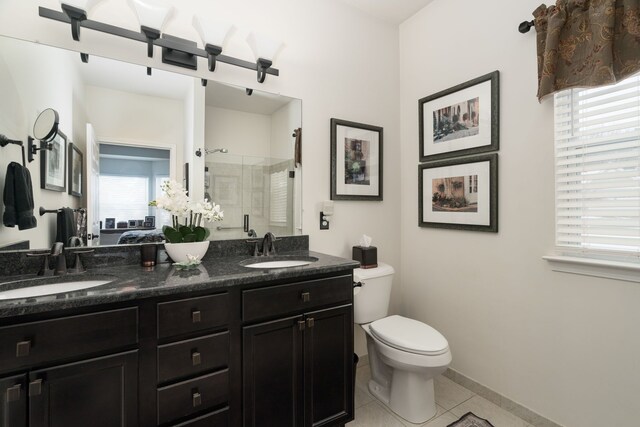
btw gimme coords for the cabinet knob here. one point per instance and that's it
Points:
(306, 296)
(197, 399)
(35, 387)
(13, 393)
(195, 358)
(301, 325)
(196, 317)
(23, 348)
(310, 322)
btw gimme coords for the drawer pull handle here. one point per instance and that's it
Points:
(23, 348)
(301, 325)
(196, 317)
(13, 393)
(35, 388)
(196, 359)
(310, 322)
(306, 296)
(197, 399)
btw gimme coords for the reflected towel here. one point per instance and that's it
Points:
(297, 158)
(66, 224)
(18, 198)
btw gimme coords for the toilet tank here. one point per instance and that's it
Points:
(371, 300)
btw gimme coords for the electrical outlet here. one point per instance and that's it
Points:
(324, 221)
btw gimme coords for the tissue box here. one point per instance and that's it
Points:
(368, 257)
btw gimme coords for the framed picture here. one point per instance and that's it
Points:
(356, 161)
(459, 193)
(133, 223)
(110, 223)
(75, 170)
(461, 120)
(53, 164)
(150, 220)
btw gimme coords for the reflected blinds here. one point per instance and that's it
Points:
(278, 198)
(597, 150)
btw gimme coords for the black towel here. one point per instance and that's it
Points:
(66, 226)
(18, 198)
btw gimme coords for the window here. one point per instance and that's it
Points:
(162, 217)
(278, 198)
(597, 171)
(124, 197)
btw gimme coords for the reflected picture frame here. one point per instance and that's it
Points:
(76, 162)
(462, 120)
(356, 161)
(460, 193)
(53, 164)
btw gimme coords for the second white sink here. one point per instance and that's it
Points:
(278, 264)
(51, 289)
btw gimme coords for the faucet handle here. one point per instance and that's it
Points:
(78, 267)
(44, 267)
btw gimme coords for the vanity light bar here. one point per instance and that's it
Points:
(172, 43)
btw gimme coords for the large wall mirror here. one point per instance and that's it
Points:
(131, 132)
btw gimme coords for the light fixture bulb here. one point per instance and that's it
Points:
(77, 10)
(212, 31)
(264, 47)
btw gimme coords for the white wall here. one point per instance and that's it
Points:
(283, 123)
(242, 133)
(565, 346)
(31, 88)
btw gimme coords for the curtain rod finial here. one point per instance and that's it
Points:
(525, 26)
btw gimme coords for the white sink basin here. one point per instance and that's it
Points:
(279, 262)
(51, 289)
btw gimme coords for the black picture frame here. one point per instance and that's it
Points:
(53, 164)
(109, 223)
(443, 136)
(76, 161)
(485, 217)
(151, 220)
(366, 183)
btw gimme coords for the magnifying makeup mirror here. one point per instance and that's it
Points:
(45, 129)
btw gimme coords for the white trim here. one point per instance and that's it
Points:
(617, 270)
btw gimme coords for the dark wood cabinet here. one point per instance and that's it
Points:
(101, 392)
(298, 371)
(13, 410)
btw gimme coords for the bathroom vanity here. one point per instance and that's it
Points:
(222, 345)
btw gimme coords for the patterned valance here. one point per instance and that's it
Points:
(586, 43)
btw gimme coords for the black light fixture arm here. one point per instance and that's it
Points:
(152, 35)
(213, 51)
(76, 16)
(263, 66)
(164, 41)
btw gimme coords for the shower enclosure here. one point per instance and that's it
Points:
(256, 193)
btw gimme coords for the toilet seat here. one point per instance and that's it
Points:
(409, 335)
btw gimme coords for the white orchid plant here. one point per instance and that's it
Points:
(186, 215)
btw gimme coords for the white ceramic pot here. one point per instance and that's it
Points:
(179, 251)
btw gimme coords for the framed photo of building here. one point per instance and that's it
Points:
(461, 120)
(356, 161)
(459, 193)
(75, 170)
(53, 164)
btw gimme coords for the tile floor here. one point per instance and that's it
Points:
(452, 401)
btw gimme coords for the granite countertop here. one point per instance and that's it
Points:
(132, 282)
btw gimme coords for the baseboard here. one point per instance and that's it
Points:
(505, 403)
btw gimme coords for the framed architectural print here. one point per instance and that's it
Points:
(75, 170)
(459, 193)
(53, 164)
(461, 120)
(356, 161)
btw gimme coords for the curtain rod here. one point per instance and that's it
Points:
(525, 26)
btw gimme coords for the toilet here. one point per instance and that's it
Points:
(405, 355)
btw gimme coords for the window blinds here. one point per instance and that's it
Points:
(278, 198)
(597, 149)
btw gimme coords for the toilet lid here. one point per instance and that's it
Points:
(409, 335)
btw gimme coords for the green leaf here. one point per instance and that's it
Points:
(201, 233)
(190, 238)
(173, 236)
(184, 230)
(166, 227)
(207, 233)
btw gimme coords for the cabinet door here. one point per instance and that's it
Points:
(272, 373)
(328, 353)
(13, 410)
(101, 392)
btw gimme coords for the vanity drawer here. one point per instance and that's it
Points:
(191, 357)
(215, 419)
(192, 315)
(188, 397)
(29, 344)
(295, 297)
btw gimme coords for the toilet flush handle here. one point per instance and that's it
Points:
(357, 284)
